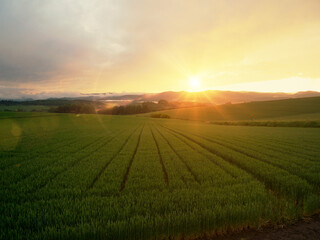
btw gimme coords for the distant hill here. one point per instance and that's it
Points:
(222, 97)
(288, 109)
(209, 97)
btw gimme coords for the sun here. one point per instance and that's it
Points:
(194, 83)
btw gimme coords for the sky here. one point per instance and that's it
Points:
(60, 48)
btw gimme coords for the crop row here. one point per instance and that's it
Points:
(277, 179)
(135, 178)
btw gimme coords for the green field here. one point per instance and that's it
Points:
(124, 177)
(299, 109)
(24, 108)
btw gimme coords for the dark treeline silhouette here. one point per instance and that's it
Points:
(92, 107)
(133, 108)
(159, 115)
(136, 107)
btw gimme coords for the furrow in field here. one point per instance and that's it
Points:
(33, 143)
(49, 164)
(41, 179)
(308, 146)
(146, 171)
(275, 179)
(221, 163)
(125, 178)
(297, 167)
(37, 154)
(266, 136)
(271, 146)
(16, 175)
(294, 172)
(180, 136)
(263, 147)
(35, 146)
(70, 185)
(312, 156)
(165, 174)
(179, 156)
(76, 162)
(178, 175)
(112, 158)
(111, 179)
(34, 136)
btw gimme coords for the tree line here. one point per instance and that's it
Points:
(136, 108)
(133, 108)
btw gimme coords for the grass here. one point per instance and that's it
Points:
(24, 108)
(124, 177)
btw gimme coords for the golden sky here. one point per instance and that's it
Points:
(153, 46)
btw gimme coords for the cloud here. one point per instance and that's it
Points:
(43, 40)
(116, 45)
(25, 93)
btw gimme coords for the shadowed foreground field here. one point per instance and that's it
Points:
(115, 177)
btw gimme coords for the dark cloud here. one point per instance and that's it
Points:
(26, 93)
(43, 39)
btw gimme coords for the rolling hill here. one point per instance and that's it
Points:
(287, 109)
(209, 96)
(222, 97)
